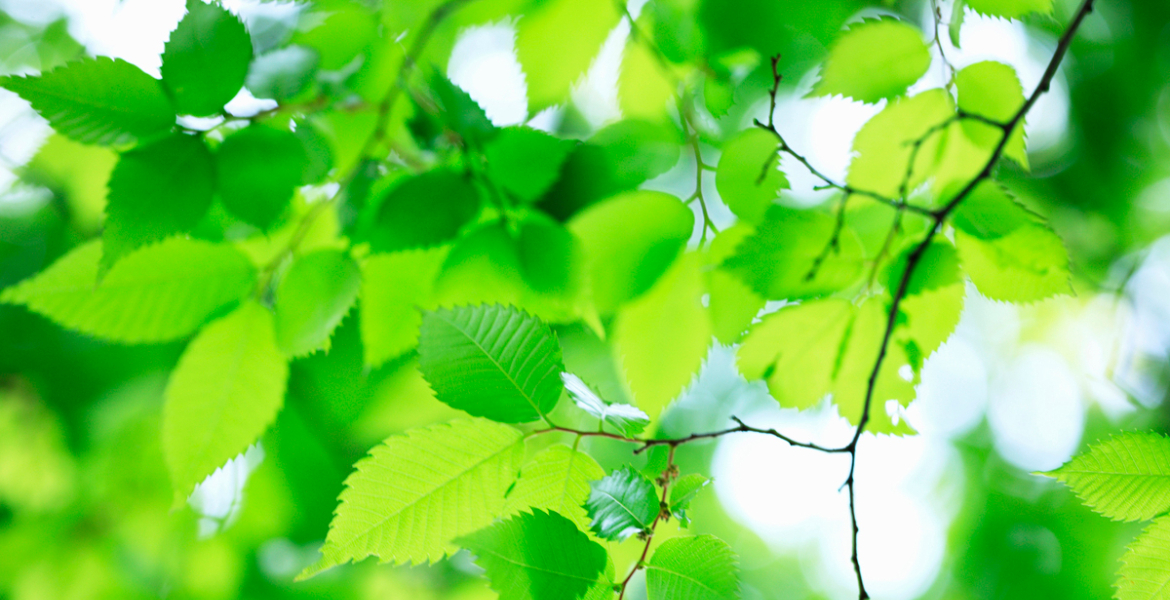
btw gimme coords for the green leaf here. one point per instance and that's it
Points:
(693, 568)
(958, 14)
(491, 361)
(622, 504)
(1125, 478)
(732, 304)
(459, 111)
(225, 391)
(206, 59)
(874, 60)
(423, 210)
(748, 178)
(178, 168)
(645, 89)
(627, 420)
(102, 101)
(394, 287)
(318, 153)
(808, 351)
(346, 32)
(315, 294)
(655, 227)
(537, 556)
(417, 492)
(685, 489)
(992, 89)
(1010, 9)
(526, 162)
(159, 293)
(259, 168)
(282, 74)
(663, 335)
(550, 74)
(1145, 572)
(1026, 265)
(938, 267)
(556, 479)
(988, 213)
(789, 256)
(884, 145)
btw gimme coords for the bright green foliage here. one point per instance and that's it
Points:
(1145, 572)
(549, 74)
(551, 259)
(747, 178)
(461, 114)
(161, 292)
(622, 504)
(645, 89)
(491, 361)
(627, 420)
(346, 31)
(98, 101)
(537, 556)
(424, 210)
(318, 154)
(958, 15)
(992, 90)
(732, 303)
(938, 267)
(682, 491)
(1125, 478)
(874, 60)
(1010, 9)
(417, 492)
(178, 168)
(654, 226)
(259, 167)
(225, 391)
(394, 287)
(282, 74)
(693, 568)
(206, 59)
(315, 294)
(789, 256)
(884, 146)
(557, 479)
(663, 335)
(525, 161)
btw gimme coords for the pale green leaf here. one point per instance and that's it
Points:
(206, 59)
(1145, 571)
(622, 504)
(159, 293)
(394, 287)
(693, 568)
(417, 492)
(98, 101)
(790, 256)
(179, 168)
(537, 556)
(491, 361)
(992, 90)
(662, 336)
(627, 420)
(645, 89)
(748, 176)
(225, 391)
(1010, 9)
(731, 302)
(550, 73)
(1125, 478)
(556, 479)
(885, 144)
(316, 292)
(874, 60)
(1026, 265)
(654, 229)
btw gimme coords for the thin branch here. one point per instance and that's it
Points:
(644, 444)
(668, 475)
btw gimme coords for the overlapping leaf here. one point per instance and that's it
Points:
(316, 292)
(258, 168)
(206, 59)
(417, 492)
(394, 286)
(557, 479)
(748, 178)
(622, 504)
(695, 568)
(627, 420)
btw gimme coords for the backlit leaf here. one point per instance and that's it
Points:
(1010, 9)
(549, 74)
(98, 101)
(1026, 265)
(206, 59)
(622, 504)
(645, 89)
(417, 492)
(885, 144)
(1125, 478)
(1145, 572)
(693, 568)
(314, 295)
(394, 287)
(874, 60)
(491, 361)
(748, 177)
(992, 89)
(225, 391)
(557, 479)
(282, 74)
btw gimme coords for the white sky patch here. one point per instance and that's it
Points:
(483, 63)
(219, 498)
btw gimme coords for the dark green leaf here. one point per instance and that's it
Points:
(537, 556)
(460, 112)
(938, 267)
(525, 161)
(491, 361)
(314, 295)
(318, 153)
(282, 74)
(98, 101)
(622, 504)
(695, 568)
(423, 210)
(157, 190)
(259, 167)
(206, 59)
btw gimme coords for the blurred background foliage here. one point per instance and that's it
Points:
(85, 502)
